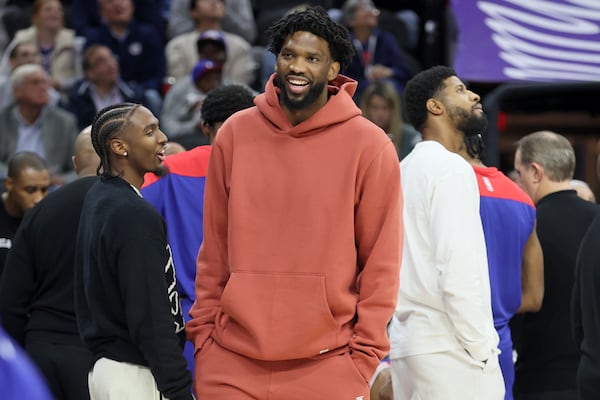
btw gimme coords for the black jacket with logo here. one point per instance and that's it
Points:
(127, 304)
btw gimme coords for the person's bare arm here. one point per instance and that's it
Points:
(532, 275)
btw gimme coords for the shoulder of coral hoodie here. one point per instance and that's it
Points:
(302, 234)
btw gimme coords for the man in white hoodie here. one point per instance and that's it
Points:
(444, 345)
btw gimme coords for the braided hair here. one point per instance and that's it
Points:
(107, 124)
(316, 21)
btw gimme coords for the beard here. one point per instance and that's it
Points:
(298, 104)
(161, 170)
(470, 124)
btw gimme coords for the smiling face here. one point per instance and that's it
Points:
(49, 15)
(463, 107)
(304, 67)
(144, 142)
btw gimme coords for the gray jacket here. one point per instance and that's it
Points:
(58, 129)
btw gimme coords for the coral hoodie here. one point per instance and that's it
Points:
(302, 234)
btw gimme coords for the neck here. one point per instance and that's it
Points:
(85, 172)
(206, 25)
(103, 90)
(30, 113)
(118, 29)
(46, 37)
(547, 187)
(362, 34)
(470, 159)
(452, 140)
(120, 166)
(297, 116)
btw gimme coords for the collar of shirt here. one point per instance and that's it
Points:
(113, 97)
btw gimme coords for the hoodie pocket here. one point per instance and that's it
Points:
(271, 316)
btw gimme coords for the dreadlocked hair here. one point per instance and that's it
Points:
(109, 122)
(316, 21)
(475, 146)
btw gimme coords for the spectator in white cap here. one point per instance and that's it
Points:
(181, 53)
(181, 116)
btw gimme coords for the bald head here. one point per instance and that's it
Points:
(583, 190)
(174, 148)
(85, 159)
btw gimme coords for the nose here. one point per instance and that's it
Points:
(475, 97)
(37, 197)
(162, 137)
(297, 65)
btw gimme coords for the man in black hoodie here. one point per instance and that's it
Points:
(126, 300)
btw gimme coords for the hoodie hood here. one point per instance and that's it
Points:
(340, 107)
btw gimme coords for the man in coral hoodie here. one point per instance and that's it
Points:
(297, 276)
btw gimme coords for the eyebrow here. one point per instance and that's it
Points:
(151, 125)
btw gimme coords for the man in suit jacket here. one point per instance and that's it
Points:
(102, 86)
(31, 124)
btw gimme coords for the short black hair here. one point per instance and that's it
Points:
(13, 52)
(224, 101)
(23, 160)
(316, 21)
(422, 87)
(86, 62)
(108, 123)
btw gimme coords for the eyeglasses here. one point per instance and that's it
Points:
(374, 11)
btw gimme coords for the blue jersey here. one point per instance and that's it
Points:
(179, 198)
(508, 219)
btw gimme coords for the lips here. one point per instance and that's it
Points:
(161, 155)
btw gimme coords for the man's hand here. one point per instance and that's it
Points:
(382, 387)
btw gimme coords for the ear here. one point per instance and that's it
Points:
(206, 128)
(74, 161)
(194, 12)
(16, 91)
(9, 184)
(334, 70)
(118, 146)
(434, 106)
(538, 172)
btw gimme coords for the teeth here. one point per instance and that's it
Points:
(297, 82)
